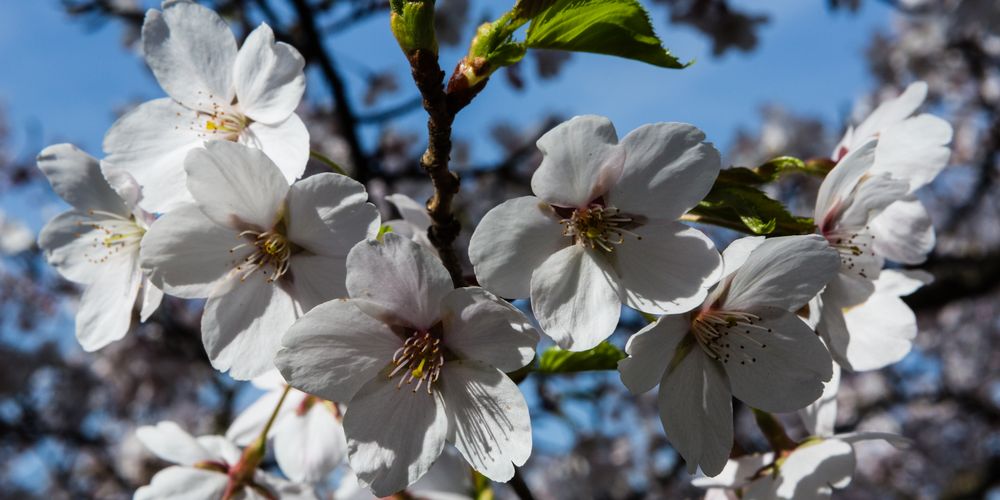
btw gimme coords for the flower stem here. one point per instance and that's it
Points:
(773, 431)
(328, 162)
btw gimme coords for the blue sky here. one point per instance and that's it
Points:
(64, 80)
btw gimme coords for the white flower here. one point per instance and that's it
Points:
(208, 467)
(418, 363)
(307, 434)
(851, 196)
(813, 469)
(216, 92)
(262, 252)
(913, 149)
(97, 244)
(447, 479)
(877, 332)
(15, 237)
(415, 219)
(601, 230)
(745, 341)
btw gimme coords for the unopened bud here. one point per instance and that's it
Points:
(412, 23)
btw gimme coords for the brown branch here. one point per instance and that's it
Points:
(441, 109)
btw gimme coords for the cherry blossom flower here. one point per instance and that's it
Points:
(602, 230)
(209, 468)
(216, 92)
(913, 149)
(849, 198)
(414, 222)
(877, 332)
(96, 244)
(307, 435)
(744, 341)
(262, 252)
(15, 237)
(813, 469)
(418, 363)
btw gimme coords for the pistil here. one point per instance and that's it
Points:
(598, 226)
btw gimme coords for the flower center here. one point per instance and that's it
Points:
(421, 358)
(598, 226)
(717, 332)
(855, 249)
(223, 123)
(271, 255)
(120, 234)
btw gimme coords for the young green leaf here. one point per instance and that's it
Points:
(742, 207)
(612, 27)
(603, 357)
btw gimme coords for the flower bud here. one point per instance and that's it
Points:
(412, 23)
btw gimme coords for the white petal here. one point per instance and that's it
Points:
(737, 473)
(448, 479)
(778, 364)
(697, 412)
(76, 177)
(191, 51)
(487, 417)
(236, 186)
(895, 440)
(575, 299)
(242, 329)
(820, 417)
(871, 196)
(251, 421)
(285, 142)
(393, 435)
(335, 349)
(410, 210)
(511, 242)
(736, 254)
(74, 247)
(171, 443)
(581, 161)
(188, 255)
(651, 350)
(881, 330)
(903, 232)
(150, 143)
(329, 213)
(783, 272)
(915, 150)
(106, 306)
(813, 468)
(892, 112)
(268, 77)
(151, 298)
(397, 281)
(183, 483)
(838, 186)
(479, 326)
(669, 270)
(220, 449)
(317, 279)
(832, 328)
(127, 188)
(668, 170)
(308, 447)
(280, 488)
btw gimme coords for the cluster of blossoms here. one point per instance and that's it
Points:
(366, 349)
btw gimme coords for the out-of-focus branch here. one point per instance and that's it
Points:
(392, 112)
(358, 13)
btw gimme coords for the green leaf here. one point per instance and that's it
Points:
(745, 208)
(506, 54)
(603, 357)
(612, 27)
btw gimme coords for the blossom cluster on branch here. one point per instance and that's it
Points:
(369, 350)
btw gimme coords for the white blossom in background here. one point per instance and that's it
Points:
(307, 435)
(818, 465)
(15, 237)
(261, 251)
(418, 363)
(96, 244)
(745, 342)
(447, 479)
(415, 220)
(208, 468)
(216, 92)
(910, 148)
(602, 230)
